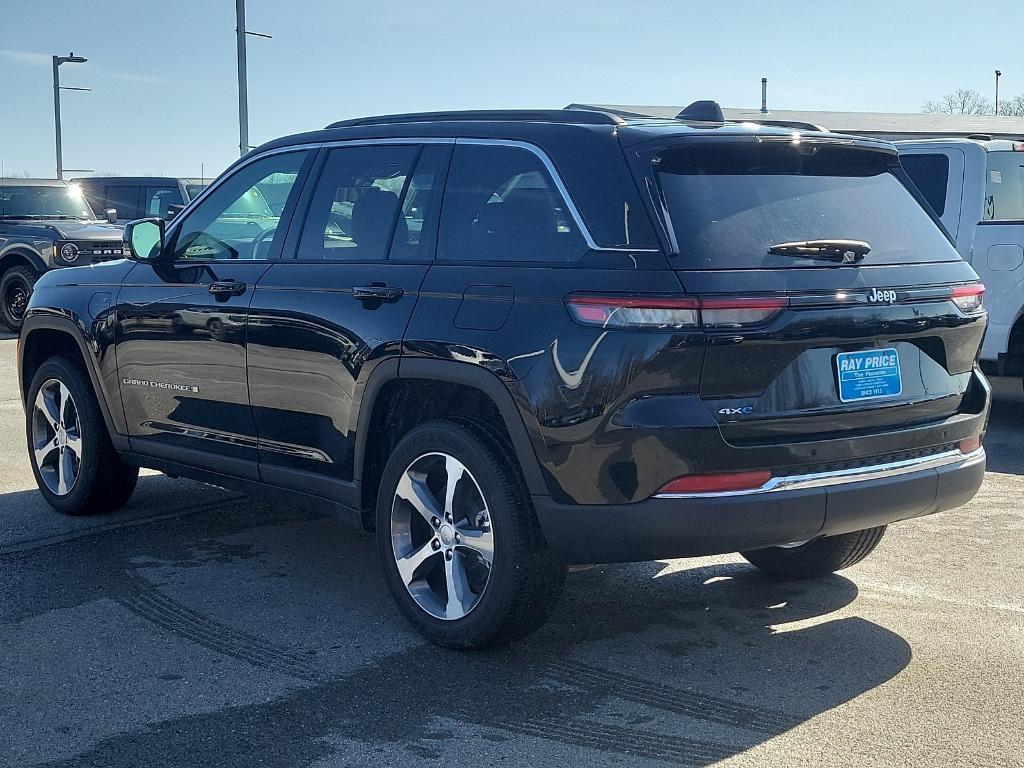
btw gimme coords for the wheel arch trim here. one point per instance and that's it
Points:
(453, 372)
(36, 321)
(21, 252)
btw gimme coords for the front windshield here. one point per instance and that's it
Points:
(252, 204)
(44, 202)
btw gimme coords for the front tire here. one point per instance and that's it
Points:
(74, 463)
(463, 554)
(15, 291)
(816, 558)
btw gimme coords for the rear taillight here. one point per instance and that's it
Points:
(723, 482)
(670, 312)
(969, 297)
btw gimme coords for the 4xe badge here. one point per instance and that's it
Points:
(882, 297)
(745, 410)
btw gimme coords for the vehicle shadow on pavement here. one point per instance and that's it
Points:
(640, 662)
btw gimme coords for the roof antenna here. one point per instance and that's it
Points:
(702, 112)
(764, 95)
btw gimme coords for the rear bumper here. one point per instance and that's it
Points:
(788, 510)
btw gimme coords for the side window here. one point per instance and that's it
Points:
(156, 200)
(500, 204)
(357, 204)
(930, 174)
(125, 199)
(1004, 186)
(236, 221)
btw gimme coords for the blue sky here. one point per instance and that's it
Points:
(163, 71)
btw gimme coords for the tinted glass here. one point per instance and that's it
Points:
(125, 199)
(930, 173)
(235, 221)
(500, 204)
(156, 200)
(1004, 188)
(193, 190)
(414, 234)
(729, 202)
(357, 203)
(43, 202)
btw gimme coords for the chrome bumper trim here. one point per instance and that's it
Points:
(841, 476)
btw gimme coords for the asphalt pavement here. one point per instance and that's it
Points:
(199, 627)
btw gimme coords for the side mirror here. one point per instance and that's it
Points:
(174, 210)
(110, 214)
(145, 239)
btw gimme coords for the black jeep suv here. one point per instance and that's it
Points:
(45, 224)
(509, 342)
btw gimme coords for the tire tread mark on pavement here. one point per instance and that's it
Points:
(696, 705)
(150, 604)
(630, 742)
(12, 551)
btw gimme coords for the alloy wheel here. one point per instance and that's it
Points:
(56, 437)
(441, 536)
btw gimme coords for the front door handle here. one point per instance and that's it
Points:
(227, 288)
(377, 292)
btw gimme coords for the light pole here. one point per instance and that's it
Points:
(57, 61)
(998, 75)
(243, 94)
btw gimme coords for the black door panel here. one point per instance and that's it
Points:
(312, 345)
(181, 356)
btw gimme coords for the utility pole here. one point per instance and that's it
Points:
(243, 88)
(57, 61)
(998, 75)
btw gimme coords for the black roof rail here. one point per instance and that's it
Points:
(579, 116)
(797, 124)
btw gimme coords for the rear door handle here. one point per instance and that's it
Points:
(227, 288)
(377, 292)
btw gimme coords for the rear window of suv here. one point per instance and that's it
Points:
(729, 202)
(1004, 187)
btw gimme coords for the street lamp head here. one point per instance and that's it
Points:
(998, 73)
(71, 59)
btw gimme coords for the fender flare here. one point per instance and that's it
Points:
(18, 251)
(454, 372)
(36, 322)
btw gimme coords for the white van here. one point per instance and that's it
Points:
(976, 186)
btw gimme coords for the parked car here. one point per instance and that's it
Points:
(136, 197)
(616, 340)
(45, 224)
(976, 187)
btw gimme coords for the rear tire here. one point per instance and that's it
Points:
(450, 534)
(15, 291)
(816, 558)
(74, 463)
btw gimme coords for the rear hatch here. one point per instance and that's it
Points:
(832, 302)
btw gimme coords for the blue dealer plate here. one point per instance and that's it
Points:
(869, 374)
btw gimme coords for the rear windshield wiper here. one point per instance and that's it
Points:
(845, 251)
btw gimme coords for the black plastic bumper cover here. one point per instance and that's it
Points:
(661, 528)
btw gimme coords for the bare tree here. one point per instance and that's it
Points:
(1013, 107)
(962, 101)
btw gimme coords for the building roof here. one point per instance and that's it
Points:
(23, 182)
(885, 124)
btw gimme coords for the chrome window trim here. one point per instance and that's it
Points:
(840, 476)
(337, 143)
(570, 204)
(223, 177)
